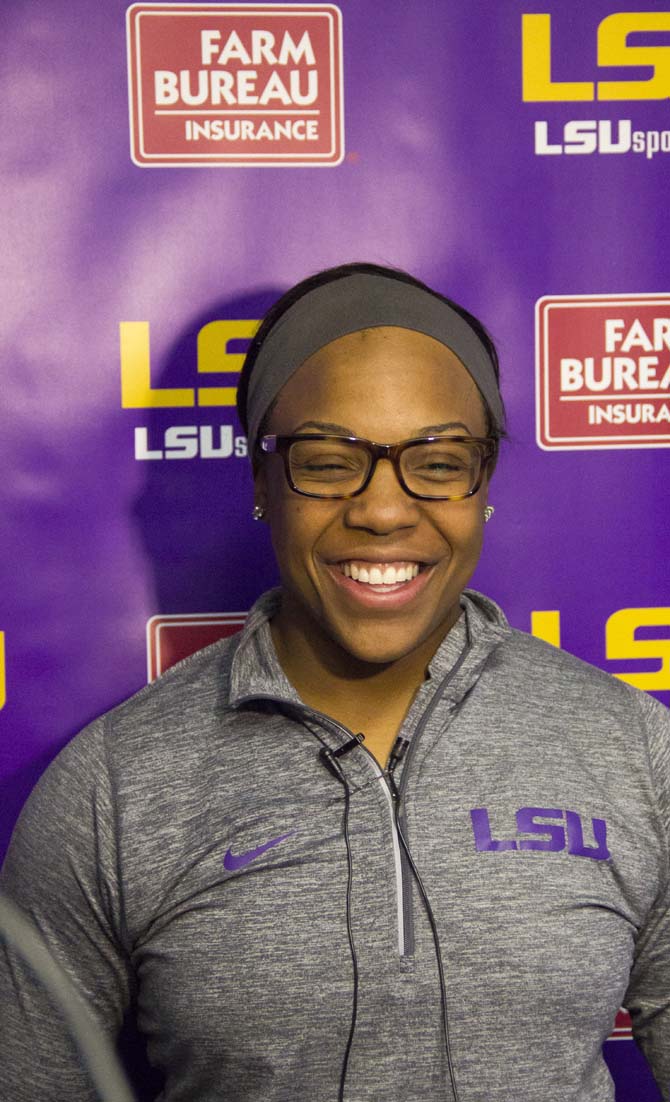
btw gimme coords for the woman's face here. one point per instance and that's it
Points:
(386, 384)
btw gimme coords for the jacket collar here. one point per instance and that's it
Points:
(256, 672)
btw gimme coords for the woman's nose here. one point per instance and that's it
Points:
(383, 506)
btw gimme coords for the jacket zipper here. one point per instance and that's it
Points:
(402, 747)
(400, 874)
(400, 822)
(398, 752)
(393, 795)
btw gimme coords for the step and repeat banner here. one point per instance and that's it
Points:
(169, 169)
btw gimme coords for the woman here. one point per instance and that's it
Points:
(380, 845)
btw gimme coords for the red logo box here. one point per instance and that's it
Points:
(171, 638)
(230, 84)
(603, 371)
(623, 1029)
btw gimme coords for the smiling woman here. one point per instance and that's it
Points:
(317, 859)
(361, 639)
(353, 636)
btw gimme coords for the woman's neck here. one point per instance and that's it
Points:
(365, 697)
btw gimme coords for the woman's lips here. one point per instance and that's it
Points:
(377, 592)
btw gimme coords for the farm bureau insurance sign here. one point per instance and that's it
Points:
(223, 84)
(603, 371)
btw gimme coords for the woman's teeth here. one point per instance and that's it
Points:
(383, 574)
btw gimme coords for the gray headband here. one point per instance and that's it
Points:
(347, 305)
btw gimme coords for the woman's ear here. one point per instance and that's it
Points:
(260, 492)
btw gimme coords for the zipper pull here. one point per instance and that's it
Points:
(398, 751)
(329, 757)
(355, 741)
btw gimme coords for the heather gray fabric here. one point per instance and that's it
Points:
(242, 976)
(347, 305)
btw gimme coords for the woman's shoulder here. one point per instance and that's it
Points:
(200, 679)
(198, 685)
(545, 671)
(165, 712)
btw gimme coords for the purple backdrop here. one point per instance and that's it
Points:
(445, 171)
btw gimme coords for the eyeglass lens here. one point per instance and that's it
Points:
(334, 467)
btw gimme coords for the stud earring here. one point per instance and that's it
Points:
(258, 512)
(488, 513)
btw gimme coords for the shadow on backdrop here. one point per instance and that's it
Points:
(194, 514)
(205, 552)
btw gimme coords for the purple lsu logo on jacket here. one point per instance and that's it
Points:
(567, 833)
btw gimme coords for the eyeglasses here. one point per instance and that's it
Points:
(438, 468)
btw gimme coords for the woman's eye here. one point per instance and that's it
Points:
(439, 465)
(326, 465)
(440, 462)
(442, 465)
(325, 462)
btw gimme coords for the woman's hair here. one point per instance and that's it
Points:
(329, 275)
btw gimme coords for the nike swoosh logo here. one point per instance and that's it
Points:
(233, 862)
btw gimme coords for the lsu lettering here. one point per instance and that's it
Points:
(621, 643)
(561, 830)
(213, 357)
(613, 50)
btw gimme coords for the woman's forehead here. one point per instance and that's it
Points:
(383, 376)
(352, 302)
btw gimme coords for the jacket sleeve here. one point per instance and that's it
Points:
(62, 871)
(648, 995)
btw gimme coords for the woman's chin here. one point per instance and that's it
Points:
(384, 645)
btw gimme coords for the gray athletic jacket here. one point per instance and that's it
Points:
(186, 854)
